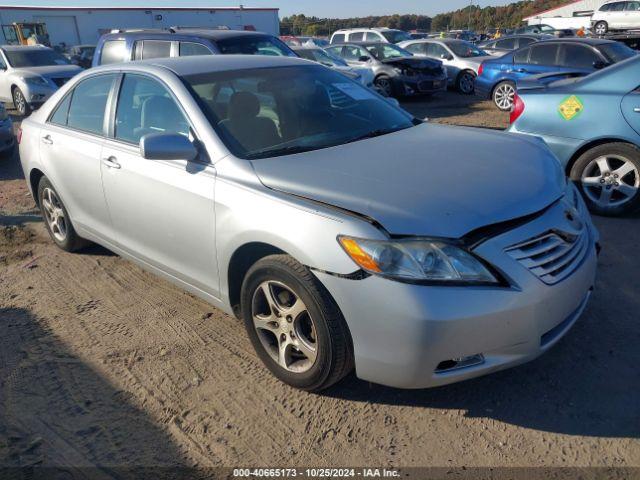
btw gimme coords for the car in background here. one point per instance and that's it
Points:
(396, 71)
(497, 78)
(29, 75)
(364, 75)
(7, 138)
(461, 59)
(542, 28)
(616, 16)
(384, 35)
(503, 45)
(298, 41)
(126, 46)
(81, 55)
(329, 229)
(592, 124)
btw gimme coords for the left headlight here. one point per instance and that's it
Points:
(417, 260)
(35, 80)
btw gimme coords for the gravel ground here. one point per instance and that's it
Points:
(103, 364)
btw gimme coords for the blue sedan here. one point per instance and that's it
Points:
(497, 77)
(592, 124)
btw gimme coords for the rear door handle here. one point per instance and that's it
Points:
(111, 162)
(521, 70)
(637, 109)
(47, 139)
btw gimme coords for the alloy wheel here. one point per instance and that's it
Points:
(284, 326)
(19, 102)
(610, 180)
(504, 95)
(601, 28)
(466, 83)
(54, 214)
(384, 84)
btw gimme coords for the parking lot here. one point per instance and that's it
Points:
(104, 364)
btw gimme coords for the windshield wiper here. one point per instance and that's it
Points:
(375, 133)
(276, 152)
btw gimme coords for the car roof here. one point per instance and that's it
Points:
(15, 48)
(360, 44)
(587, 41)
(541, 36)
(296, 48)
(195, 65)
(209, 34)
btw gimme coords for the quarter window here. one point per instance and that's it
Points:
(188, 49)
(153, 49)
(435, 50)
(59, 117)
(545, 54)
(632, 6)
(88, 102)
(145, 106)
(373, 37)
(521, 56)
(113, 51)
(617, 7)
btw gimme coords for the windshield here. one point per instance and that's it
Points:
(268, 112)
(35, 58)
(466, 50)
(387, 51)
(255, 45)
(395, 36)
(616, 52)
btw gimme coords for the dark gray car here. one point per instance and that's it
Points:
(396, 71)
(502, 46)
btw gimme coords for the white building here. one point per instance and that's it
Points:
(76, 25)
(573, 15)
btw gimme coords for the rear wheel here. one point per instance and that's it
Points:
(57, 219)
(20, 102)
(503, 95)
(609, 177)
(294, 325)
(465, 83)
(601, 28)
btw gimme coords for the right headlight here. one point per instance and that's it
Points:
(417, 260)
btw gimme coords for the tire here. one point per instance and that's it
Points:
(64, 237)
(503, 94)
(20, 102)
(609, 178)
(318, 324)
(601, 28)
(465, 82)
(385, 85)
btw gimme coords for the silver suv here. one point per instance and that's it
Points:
(29, 75)
(384, 35)
(320, 214)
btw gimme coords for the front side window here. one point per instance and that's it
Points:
(373, 37)
(353, 54)
(466, 50)
(395, 36)
(524, 41)
(113, 51)
(617, 51)
(435, 50)
(356, 37)
(255, 45)
(577, 56)
(41, 57)
(506, 44)
(417, 48)
(387, 51)
(145, 106)
(188, 49)
(544, 54)
(88, 102)
(617, 7)
(267, 112)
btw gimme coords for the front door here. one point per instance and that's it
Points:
(162, 211)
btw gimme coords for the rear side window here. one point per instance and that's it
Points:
(337, 38)
(524, 41)
(544, 54)
(88, 102)
(506, 44)
(356, 37)
(145, 106)
(59, 116)
(373, 37)
(417, 48)
(617, 7)
(153, 49)
(113, 51)
(577, 56)
(188, 49)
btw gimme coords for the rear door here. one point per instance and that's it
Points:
(71, 144)
(162, 211)
(543, 58)
(632, 14)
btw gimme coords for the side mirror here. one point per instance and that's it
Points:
(599, 64)
(167, 146)
(364, 58)
(446, 56)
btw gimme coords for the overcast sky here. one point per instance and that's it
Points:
(320, 8)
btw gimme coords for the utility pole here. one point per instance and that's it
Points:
(470, 7)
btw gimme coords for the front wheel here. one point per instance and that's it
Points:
(609, 178)
(20, 102)
(503, 95)
(465, 82)
(385, 85)
(601, 28)
(294, 325)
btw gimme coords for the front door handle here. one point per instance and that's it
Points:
(521, 70)
(111, 162)
(637, 109)
(47, 139)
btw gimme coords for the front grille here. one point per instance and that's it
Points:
(427, 85)
(59, 81)
(552, 256)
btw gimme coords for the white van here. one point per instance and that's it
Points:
(384, 35)
(616, 15)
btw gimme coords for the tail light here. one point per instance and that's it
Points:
(19, 136)
(517, 109)
(480, 69)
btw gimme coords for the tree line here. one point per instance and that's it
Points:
(473, 17)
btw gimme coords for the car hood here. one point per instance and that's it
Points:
(430, 180)
(413, 62)
(51, 71)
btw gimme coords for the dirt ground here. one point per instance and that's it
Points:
(103, 364)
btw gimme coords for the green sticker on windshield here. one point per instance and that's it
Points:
(570, 107)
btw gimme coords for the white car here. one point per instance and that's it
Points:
(383, 35)
(616, 16)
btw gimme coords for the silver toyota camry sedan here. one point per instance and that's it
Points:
(342, 231)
